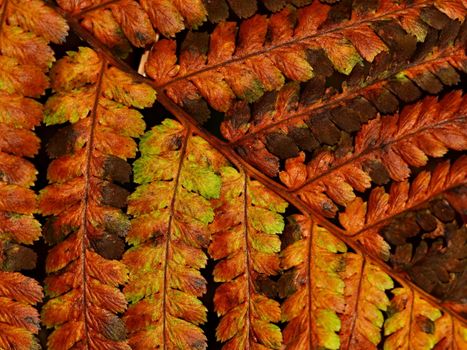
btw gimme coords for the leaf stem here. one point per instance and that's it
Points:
(87, 194)
(168, 238)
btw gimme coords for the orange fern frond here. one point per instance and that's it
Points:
(313, 286)
(86, 223)
(337, 299)
(360, 217)
(385, 148)
(223, 67)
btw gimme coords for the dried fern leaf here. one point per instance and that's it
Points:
(411, 323)
(366, 286)
(429, 243)
(26, 28)
(223, 67)
(384, 150)
(179, 174)
(83, 203)
(245, 240)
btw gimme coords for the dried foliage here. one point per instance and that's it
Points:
(245, 241)
(384, 149)
(117, 22)
(309, 44)
(322, 207)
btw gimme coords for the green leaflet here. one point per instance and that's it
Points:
(179, 174)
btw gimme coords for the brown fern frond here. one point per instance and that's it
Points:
(86, 223)
(361, 219)
(178, 173)
(385, 148)
(323, 40)
(26, 28)
(245, 241)
(436, 260)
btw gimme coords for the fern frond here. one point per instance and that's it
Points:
(323, 40)
(413, 323)
(26, 28)
(385, 148)
(245, 241)
(179, 174)
(315, 289)
(86, 223)
(341, 300)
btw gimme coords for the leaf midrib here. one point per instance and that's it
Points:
(87, 180)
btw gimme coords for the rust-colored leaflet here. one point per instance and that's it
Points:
(25, 56)
(384, 149)
(82, 203)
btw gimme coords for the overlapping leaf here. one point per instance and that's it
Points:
(309, 43)
(247, 221)
(178, 175)
(85, 222)
(25, 32)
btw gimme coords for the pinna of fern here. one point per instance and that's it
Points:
(225, 66)
(179, 175)
(337, 299)
(247, 221)
(384, 150)
(312, 119)
(83, 203)
(25, 57)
